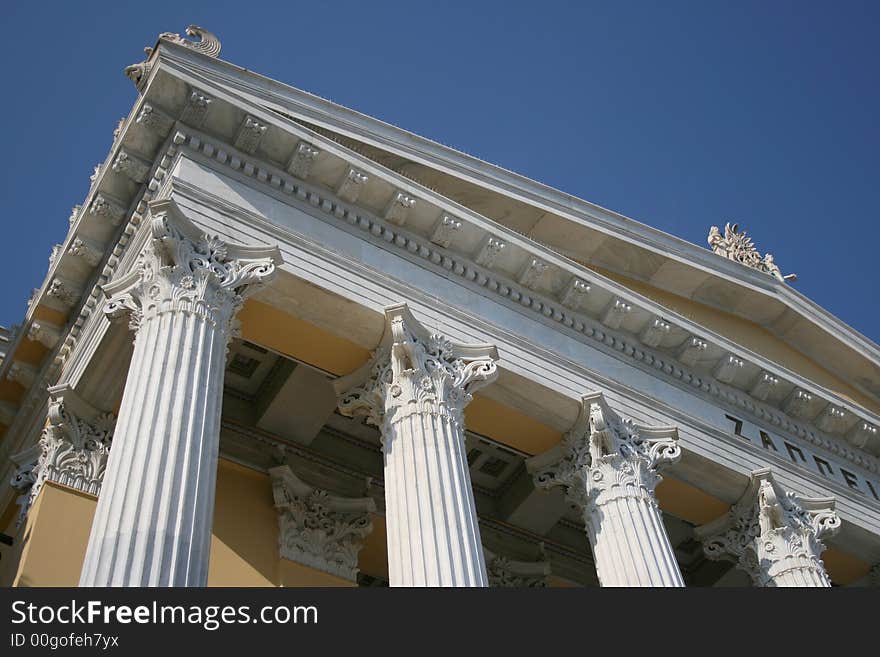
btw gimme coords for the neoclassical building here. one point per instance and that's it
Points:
(286, 344)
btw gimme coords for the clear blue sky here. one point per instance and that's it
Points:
(680, 116)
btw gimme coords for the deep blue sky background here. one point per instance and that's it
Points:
(677, 114)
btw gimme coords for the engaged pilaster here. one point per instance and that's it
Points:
(317, 529)
(74, 446)
(608, 467)
(152, 525)
(773, 535)
(415, 390)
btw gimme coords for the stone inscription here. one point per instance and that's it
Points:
(803, 457)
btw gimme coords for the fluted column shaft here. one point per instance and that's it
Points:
(609, 469)
(433, 534)
(625, 527)
(152, 525)
(415, 390)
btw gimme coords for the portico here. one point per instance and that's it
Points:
(273, 319)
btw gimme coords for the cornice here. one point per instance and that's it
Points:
(279, 97)
(592, 330)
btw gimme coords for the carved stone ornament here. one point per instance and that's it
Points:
(505, 572)
(23, 479)
(604, 457)
(318, 529)
(74, 446)
(737, 246)
(773, 535)
(182, 269)
(415, 371)
(207, 44)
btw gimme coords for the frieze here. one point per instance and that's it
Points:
(800, 455)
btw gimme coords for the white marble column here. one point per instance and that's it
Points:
(72, 450)
(152, 525)
(415, 389)
(773, 535)
(608, 467)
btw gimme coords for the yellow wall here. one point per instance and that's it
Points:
(749, 335)
(276, 330)
(56, 534)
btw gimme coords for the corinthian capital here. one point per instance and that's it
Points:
(318, 529)
(505, 572)
(415, 371)
(183, 269)
(74, 446)
(604, 456)
(771, 532)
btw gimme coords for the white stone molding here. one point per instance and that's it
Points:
(615, 313)
(66, 292)
(400, 205)
(22, 373)
(773, 535)
(415, 389)
(532, 272)
(250, 133)
(349, 187)
(155, 120)
(196, 109)
(74, 446)
(574, 293)
(152, 525)
(74, 213)
(89, 251)
(728, 367)
(832, 419)
(654, 332)
(302, 160)
(489, 251)
(691, 350)
(608, 467)
(462, 265)
(132, 166)
(797, 403)
(445, 229)
(863, 434)
(46, 333)
(317, 529)
(109, 208)
(509, 573)
(763, 385)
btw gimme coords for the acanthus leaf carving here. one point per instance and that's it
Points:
(73, 447)
(772, 534)
(504, 572)
(183, 269)
(318, 529)
(605, 457)
(414, 371)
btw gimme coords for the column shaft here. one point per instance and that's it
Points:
(152, 525)
(430, 513)
(630, 543)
